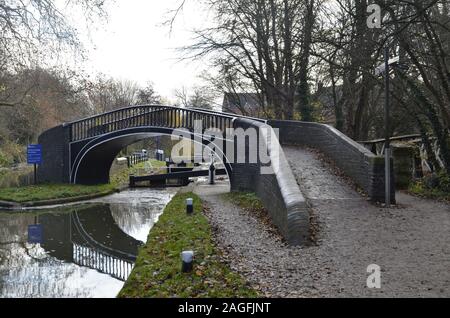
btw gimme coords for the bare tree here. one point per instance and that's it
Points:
(198, 97)
(34, 27)
(37, 30)
(182, 97)
(266, 44)
(48, 98)
(423, 41)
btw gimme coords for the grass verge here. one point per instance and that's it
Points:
(52, 192)
(246, 200)
(250, 202)
(157, 273)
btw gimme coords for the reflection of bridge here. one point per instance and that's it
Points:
(90, 238)
(102, 262)
(82, 152)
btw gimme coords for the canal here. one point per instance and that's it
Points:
(78, 251)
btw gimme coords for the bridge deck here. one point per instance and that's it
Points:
(410, 242)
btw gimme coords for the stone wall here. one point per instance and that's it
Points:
(278, 191)
(362, 166)
(55, 156)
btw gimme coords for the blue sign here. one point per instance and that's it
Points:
(35, 234)
(34, 154)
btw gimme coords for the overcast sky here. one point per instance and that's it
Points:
(134, 45)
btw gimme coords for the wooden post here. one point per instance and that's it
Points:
(35, 175)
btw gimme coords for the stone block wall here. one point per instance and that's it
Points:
(403, 166)
(363, 167)
(55, 156)
(279, 191)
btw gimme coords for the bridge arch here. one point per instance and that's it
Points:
(93, 159)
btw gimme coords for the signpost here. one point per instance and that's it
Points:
(34, 157)
(387, 146)
(385, 70)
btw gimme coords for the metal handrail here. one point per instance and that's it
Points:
(145, 115)
(229, 114)
(398, 138)
(148, 106)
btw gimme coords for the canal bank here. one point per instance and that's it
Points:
(158, 267)
(52, 195)
(46, 195)
(90, 249)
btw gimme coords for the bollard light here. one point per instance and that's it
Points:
(187, 258)
(212, 174)
(190, 206)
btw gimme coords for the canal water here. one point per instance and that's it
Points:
(78, 251)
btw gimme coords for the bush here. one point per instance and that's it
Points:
(3, 159)
(11, 153)
(435, 186)
(444, 182)
(437, 181)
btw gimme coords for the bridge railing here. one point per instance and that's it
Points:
(136, 159)
(230, 114)
(424, 164)
(102, 262)
(147, 115)
(377, 146)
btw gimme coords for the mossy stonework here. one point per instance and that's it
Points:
(403, 166)
(158, 267)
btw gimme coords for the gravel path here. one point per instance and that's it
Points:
(411, 243)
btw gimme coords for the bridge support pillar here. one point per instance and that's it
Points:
(377, 180)
(55, 167)
(278, 191)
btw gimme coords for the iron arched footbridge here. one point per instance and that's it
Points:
(91, 144)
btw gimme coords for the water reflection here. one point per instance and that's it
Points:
(137, 206)
(83, 251)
